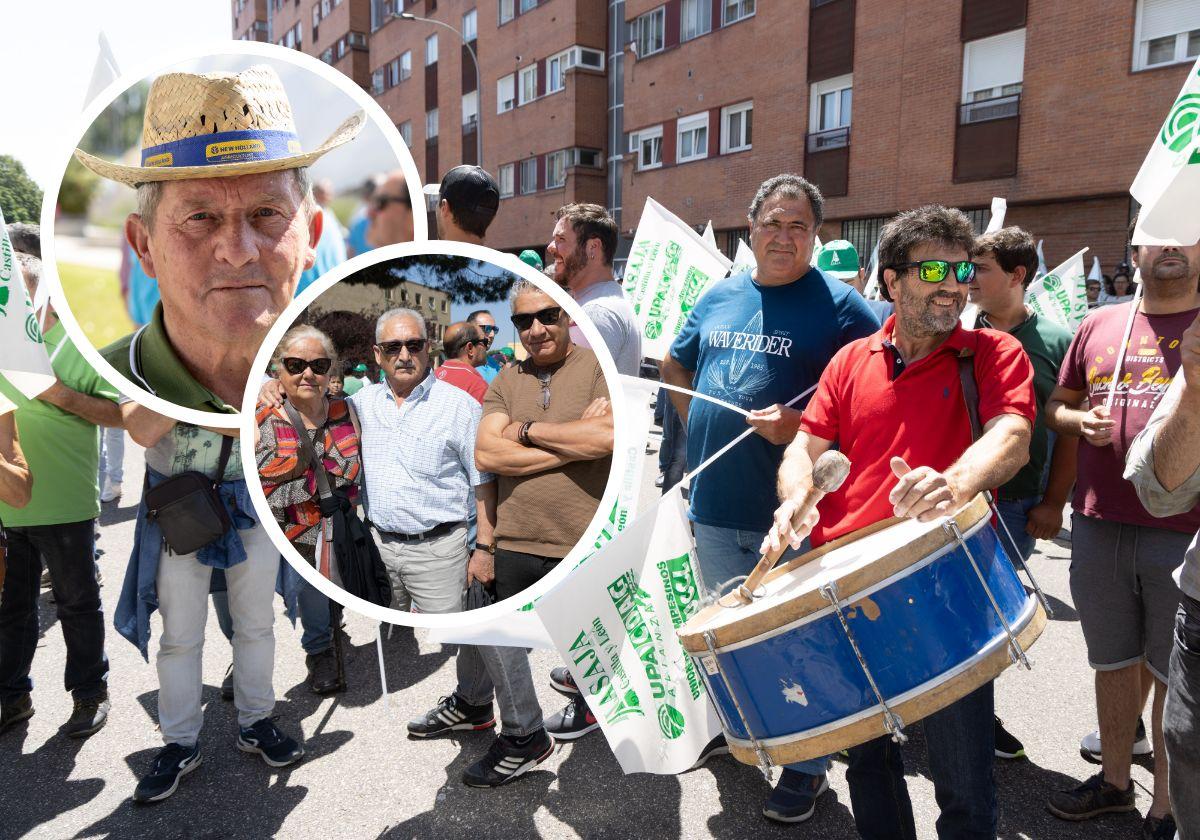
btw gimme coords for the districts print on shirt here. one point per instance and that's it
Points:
(1145, 372)
(740, 375)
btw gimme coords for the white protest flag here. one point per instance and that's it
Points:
(1041, 269)
(743, 259)
(614, 619)
(104, 72)
(1061, 295)
(817, 246)
(871, 289)
(6, 405)
(1168, 183)
(999, 208)
(23, 358)
(709, 237)
(1095, 273)
(670, 266)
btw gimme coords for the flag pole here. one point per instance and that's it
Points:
(1133, 308)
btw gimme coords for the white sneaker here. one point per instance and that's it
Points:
(1089, 747)
(111, 491)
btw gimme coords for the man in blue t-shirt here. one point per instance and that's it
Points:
(757, 340)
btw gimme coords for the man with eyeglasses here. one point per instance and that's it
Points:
(547, 433)
(894, 404)
(466, 351)
(390, 212)
(483, 319)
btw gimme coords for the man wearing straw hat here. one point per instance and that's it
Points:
(227, 224)
(1122, 557)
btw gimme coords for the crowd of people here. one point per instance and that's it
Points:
(476, 484)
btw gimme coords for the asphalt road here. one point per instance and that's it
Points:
(363, 777)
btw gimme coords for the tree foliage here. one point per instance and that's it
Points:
(353, 335)
(464, 280)
(78, 185)
(20, 197)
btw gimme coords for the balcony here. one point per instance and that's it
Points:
(986, 139)
(827, 160)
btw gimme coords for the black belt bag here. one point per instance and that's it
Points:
(188, 509)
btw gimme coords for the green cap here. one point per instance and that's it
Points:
(506, 351)
(360, 368)
(530, 257)
(839, 258)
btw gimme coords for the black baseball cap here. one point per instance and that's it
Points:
(469, 188)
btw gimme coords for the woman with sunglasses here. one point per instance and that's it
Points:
(305, 358)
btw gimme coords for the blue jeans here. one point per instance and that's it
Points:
(313, 607)
(67, 551)
(727, 553)
(1015, 515)
(960, 741)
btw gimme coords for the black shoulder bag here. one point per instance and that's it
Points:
(359, 564)
(188, 509)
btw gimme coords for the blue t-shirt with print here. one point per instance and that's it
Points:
(755, 346)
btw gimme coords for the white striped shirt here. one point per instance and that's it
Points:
(418, 458)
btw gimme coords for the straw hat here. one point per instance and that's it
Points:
(215, 125)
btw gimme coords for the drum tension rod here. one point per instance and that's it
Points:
(1017, 554)
(1015, 651)
(891, 720)
(764, 760)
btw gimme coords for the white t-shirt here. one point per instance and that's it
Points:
(612, 313)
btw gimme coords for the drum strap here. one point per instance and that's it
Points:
(970, 390)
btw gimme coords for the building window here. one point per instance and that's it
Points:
(470, 110)
(528, 176)
(377, 81)
(829, 104)
(584, 157)
(691, 138)
(737, 122)
(431, 52)
(1166, 32)
(863, 234)
(406, 132)
(648, 144)
(649, 31)
(506, 93)
(695, 20)
(993, 69)
(528, 84)
(556, 170)
(393, 72)
(556, 69)
(431, 124)
(528, 5)
(507, 12)
(316, 20)
(734, 10)
(405, 65)
(469, 27)
(506, 180)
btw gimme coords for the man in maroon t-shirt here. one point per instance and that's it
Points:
(892, 400)
(466, 349)
(1122, 557)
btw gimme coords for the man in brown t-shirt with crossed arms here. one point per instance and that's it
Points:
(547, 435)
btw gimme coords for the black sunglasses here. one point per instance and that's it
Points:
(935, 271)
(548, 316)
(489, 329)
(296, 366)
(393, 348)
(382, 201)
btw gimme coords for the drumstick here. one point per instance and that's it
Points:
(828, 473)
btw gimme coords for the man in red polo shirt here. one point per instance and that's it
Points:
(466, 349)
(893, 404)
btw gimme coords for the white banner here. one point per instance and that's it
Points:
(1041, 269)
(614, 619)
(1061, 295)
(1169, 181)
(670, 266)
(1096, 273)
(743, 259)
(23, 359)
(999, 208)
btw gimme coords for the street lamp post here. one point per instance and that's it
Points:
(478, 79)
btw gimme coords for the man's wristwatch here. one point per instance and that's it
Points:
(523, 433)
(490, 548)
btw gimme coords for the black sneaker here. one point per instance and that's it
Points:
(574, 720)
(794, 799)
(506, 760)
(88, 718)
(14, 711)
(1159, 828)
(1007, 746)
(323, 677)
(717, 746)
(562, 681)
(1090, 799)
(450, 714)
(227, 684)
(172, 762)
(265, 738)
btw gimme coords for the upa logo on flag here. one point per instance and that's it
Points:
(1182, 124)
(6, 273)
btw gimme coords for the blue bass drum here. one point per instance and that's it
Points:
(869, 632)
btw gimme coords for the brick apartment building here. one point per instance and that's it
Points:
(885, 104)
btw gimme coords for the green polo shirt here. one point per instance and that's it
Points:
(63, 449)
(155, 363)
(1046, 344)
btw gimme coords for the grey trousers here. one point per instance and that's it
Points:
(487, 670)
(427, 576)
(1181, 720)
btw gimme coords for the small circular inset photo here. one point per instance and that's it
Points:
(200, 200)
(429, 435)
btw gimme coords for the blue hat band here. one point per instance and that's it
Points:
(223, 148)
